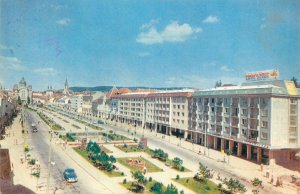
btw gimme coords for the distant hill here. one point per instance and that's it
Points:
(108, 88)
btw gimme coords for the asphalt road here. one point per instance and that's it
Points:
(39, 142)
(191, 159)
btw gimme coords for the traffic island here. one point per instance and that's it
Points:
(198, 186)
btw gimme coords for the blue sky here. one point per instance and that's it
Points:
(146, 43)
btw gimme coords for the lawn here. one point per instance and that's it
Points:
(104, 149)
(148, 186)
(114, 136)
(209, 187)
(84, 154)
(150, 167)
(130, 148)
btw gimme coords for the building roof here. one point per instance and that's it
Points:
(281, 88)
(169, 93)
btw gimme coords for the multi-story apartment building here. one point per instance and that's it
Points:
(7, 109)
(257, 120)
(165, 112)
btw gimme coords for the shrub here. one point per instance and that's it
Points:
(187, 180)
(150, 179)
(31, 162)
(181, 192)
(207, 188)
(182, 168)
(177, 177)
(124, 181)
(122, 173)
(26, 149)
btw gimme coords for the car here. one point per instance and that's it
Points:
(70, 175)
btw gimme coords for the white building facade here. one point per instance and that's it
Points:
(258, 120)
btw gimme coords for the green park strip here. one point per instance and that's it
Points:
(130, 186)
(65, 121)
(84, 154)
(135, 148)
(50, 123)
(76, 126)
(131, 148)
(138, 163)
(104, 149)
(114, 137)
(199, 187)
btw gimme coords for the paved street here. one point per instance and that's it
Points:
(188, 152)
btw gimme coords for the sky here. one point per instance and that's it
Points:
(184, 43)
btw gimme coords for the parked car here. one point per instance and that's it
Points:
(70, 175)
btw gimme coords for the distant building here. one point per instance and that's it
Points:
(23, 91)
(66, 88)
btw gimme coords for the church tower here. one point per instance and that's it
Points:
(66, 88)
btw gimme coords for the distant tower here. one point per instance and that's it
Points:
(66, 89)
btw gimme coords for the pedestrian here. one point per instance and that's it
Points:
(261, 167)
(268, 173)
(12, 167)
(272, 179)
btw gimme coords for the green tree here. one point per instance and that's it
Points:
(235, 186)
(295, 81)
(171, 189)
(28, 100)
(218, 84)
(157, 188)
(140, 180)
(228, 153)
(19, 101)
(177, 162)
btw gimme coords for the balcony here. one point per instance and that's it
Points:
(252, 139)
(253, 116)
(253, 105)
(219, 113)
(219, 103)
(234, 105)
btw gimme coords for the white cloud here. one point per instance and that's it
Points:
(46, 71)
(173, 32)
(225, 68)
(211, 19)
(63, 21)
(10, 63)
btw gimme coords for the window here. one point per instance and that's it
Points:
(174, 120)
(264, 135)
(174, 106)
(212, 100)
(177, 120)
(182, 106)
(174, 113)
(182, 114)
(178, 113)
(212, 109)
(264, 124)
(178, 106)
(182, 121)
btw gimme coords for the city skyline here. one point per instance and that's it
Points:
(141, 43)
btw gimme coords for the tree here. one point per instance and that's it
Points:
(140, 180)
(295, 81)
(218, 84)
(228, 153)
(177, 162)
(171, 189)
(157, 188)
(256, 182)
(19, 101)
(235, 186)
(28, 100)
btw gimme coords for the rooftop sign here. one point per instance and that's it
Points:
(263, 75)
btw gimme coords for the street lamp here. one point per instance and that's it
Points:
(49, 162)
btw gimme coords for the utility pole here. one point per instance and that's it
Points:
(205, 140)
(49, 163)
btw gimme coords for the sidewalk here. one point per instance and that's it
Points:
(22, 181)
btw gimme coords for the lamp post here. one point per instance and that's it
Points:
(49, 163)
